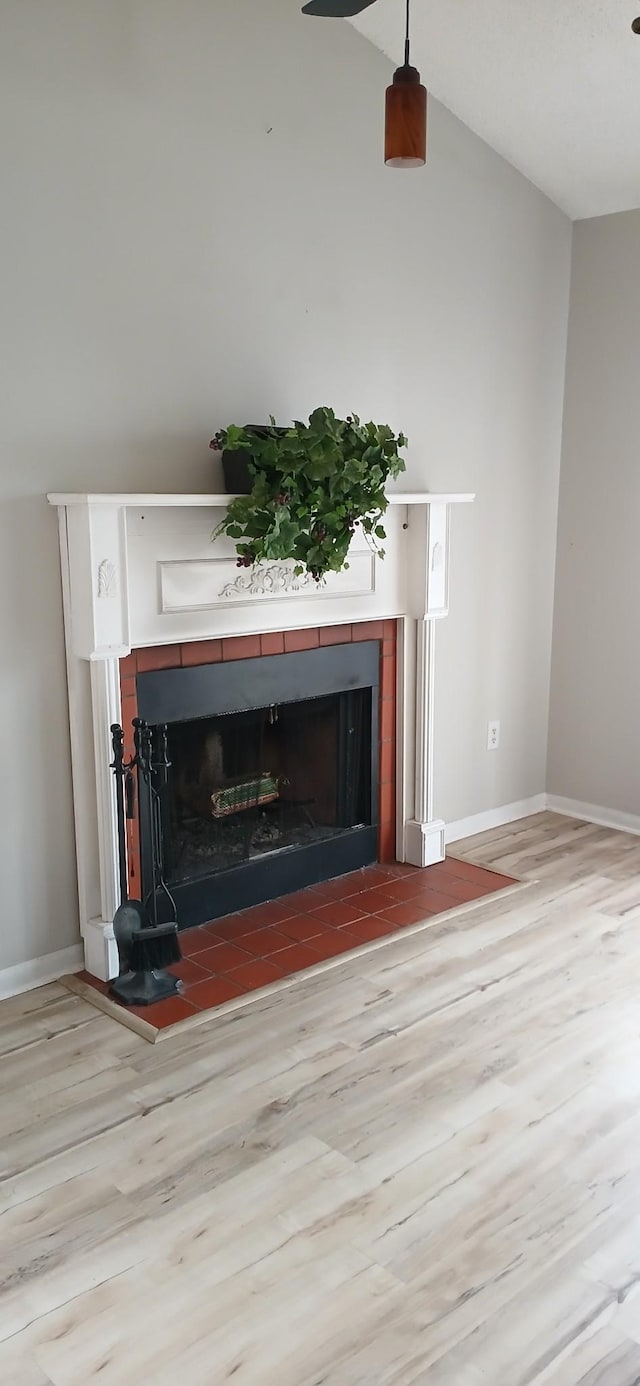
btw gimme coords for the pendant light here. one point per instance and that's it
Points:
(405, 131)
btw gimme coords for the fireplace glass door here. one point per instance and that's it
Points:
(250, 784)
(267, 798)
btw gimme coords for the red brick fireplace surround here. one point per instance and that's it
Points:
(232, 957)
(199, 652)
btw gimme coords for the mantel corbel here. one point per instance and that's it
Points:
(93, 545)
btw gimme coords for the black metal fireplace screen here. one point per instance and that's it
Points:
(273, 775)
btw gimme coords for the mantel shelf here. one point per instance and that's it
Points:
(159, 501)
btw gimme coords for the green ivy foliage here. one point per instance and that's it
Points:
(313, 484)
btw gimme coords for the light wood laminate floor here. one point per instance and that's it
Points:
(420, 1167)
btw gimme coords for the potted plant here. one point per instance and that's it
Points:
(312, 485)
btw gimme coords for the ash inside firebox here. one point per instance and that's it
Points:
(203, 845)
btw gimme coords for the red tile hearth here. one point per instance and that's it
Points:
(234, 956)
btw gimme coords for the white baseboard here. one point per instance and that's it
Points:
(495, 818)
(26, 976)
(594, 813)
(555, 803)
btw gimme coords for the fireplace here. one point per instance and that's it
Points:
(146, 592)
(273, 777)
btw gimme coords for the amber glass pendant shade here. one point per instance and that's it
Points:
(405, 128)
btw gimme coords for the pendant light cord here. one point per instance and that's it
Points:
(406, 41)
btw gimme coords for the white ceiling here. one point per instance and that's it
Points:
(553, 85)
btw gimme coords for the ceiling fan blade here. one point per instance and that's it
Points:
(336, 9)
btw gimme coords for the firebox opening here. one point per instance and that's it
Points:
(247, 785)
(274, 775)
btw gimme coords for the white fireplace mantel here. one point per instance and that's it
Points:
(141, 570)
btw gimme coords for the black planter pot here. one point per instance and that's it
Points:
(238, 478)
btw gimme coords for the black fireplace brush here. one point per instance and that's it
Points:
(155, 946)
(151, 951)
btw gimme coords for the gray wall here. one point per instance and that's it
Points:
(197, 228)
(594, 742)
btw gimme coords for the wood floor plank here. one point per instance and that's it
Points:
(601, 1359)
(418, 1168)
(516, 1345)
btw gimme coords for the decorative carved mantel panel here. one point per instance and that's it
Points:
(266, 580)
(207, 584)
(142, 571)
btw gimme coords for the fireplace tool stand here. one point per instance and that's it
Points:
(150, 949)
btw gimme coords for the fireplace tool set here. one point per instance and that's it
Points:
(146, 946)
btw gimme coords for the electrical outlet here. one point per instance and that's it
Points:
(493, 736)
